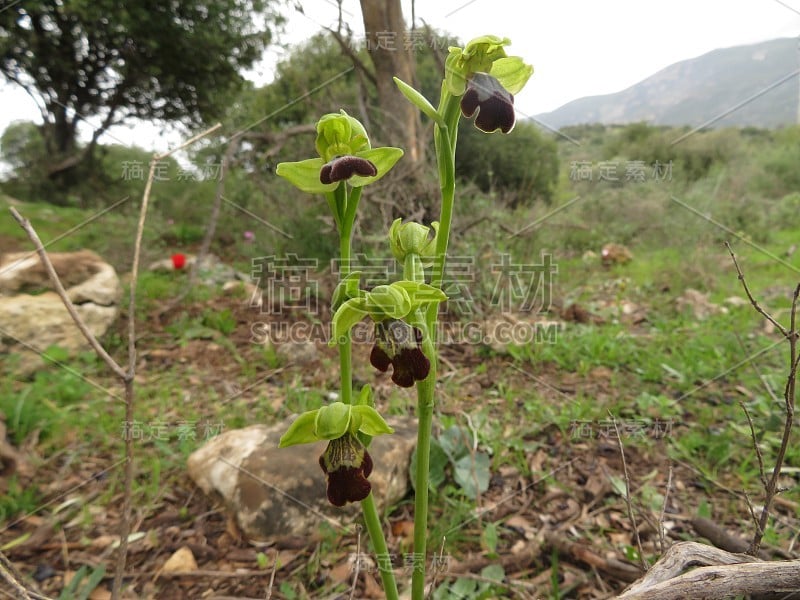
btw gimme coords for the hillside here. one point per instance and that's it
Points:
(697, 90)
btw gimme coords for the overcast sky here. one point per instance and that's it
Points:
(577, 47)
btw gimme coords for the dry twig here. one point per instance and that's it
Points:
(127, 375)
(628, 501)
(771, 486)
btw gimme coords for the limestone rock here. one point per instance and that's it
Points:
(700, 305)
(281, 491)
(33, 318)
(615, 254)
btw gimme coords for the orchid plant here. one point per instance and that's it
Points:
(480, 82)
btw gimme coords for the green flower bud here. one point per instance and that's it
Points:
(413, 238)
(339, 134)
(485, 54)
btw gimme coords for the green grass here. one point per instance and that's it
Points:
(671, 368)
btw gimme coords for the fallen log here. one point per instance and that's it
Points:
(718, 574)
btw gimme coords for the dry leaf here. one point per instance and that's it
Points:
(100, 593)
(371, 587)
(181, 560)
(342, 572)
(102, 541)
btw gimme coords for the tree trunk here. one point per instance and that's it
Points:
(392, 56)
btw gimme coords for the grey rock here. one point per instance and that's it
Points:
(274, 492)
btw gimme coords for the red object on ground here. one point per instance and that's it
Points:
(178, 261)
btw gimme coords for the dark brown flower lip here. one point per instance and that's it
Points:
(343, 168)
(494, 105)
(346, 464)
(398, 343)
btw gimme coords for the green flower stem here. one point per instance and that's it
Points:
(425, 390)
(445, 141)
(346, 205)
(352, 205)
(345, 240)
(382, 555)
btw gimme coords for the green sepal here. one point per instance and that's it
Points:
(365, 397)
(420, 101)
(333, 421)
(455, 72)
(304, 175)
(346, 289)
(370, 422)
(301, 431)
(390, 301)
(477, 56)
(345, 318)
(420, 293)
(512, 73)
(383, 158)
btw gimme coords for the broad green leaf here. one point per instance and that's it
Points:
(469, 470)
(383, 159)
(301, 431)
(512, 73)
(494, 572)
(420, 101)
(436, 471)
(371, 422)
(305, 175)
(333, 421)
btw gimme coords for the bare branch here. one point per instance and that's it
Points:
(753, 301)
(62, 293)
(661, 537)
(628, 501)
(129, 377)
(357, 62)
(10, 575)
(762, 473)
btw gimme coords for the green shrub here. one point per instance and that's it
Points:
(524, 164)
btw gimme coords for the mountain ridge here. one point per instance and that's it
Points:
(701, 89)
